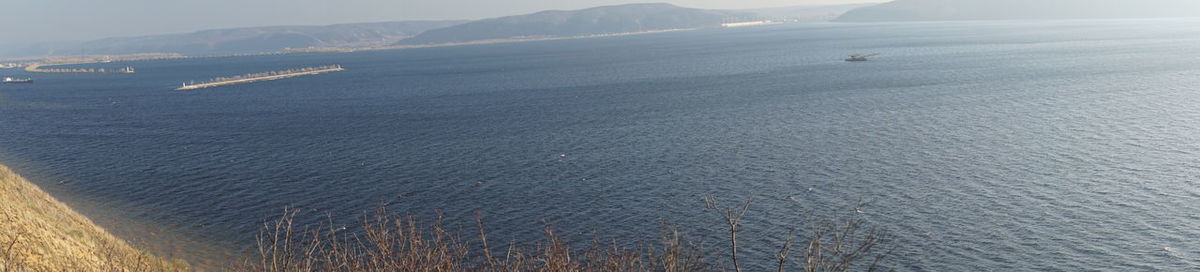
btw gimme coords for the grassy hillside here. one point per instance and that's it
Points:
(39, 233)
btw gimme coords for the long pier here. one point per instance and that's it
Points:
(222, 81)
(37, 68)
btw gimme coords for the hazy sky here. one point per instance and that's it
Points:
(44, 20)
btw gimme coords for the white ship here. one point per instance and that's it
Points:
(9, 80)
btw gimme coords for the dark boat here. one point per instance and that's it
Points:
(861, 57)
(9, 80)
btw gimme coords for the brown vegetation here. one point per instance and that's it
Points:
(38, 233)
(400, 243)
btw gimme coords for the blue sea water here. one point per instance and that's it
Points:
(982, 146)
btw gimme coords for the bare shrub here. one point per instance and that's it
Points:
(400, 243)
(842, 245)
(733, 217)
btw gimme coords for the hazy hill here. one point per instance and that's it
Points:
(556, 23)
(599, 20)
(946, 10)
(805, 13)
(240, 40)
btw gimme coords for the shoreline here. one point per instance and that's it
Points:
(46, 61)
(200, 251)
(49, 235)
(523, 39)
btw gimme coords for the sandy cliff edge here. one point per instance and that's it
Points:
(40, 233)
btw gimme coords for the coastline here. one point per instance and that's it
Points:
(46, 61)
(41, 233)
(526, 39)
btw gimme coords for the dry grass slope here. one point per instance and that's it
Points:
(39, 233)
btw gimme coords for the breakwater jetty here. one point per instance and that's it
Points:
(37, 68)
(255, 77)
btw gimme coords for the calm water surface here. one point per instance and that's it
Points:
(994, 146)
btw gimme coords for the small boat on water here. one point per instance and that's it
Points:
(9, 80)
(861, 57)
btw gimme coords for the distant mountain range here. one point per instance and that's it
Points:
(594, 21)
(547, 24)
(820, 13)
(238, 40)
(950, 10)
(599, 20)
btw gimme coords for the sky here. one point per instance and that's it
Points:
(26, 21)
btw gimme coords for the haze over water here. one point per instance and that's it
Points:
(1053, 145)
